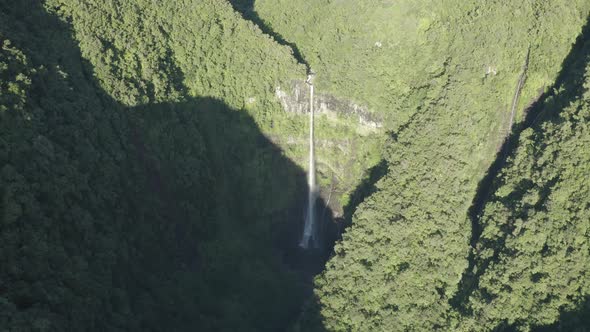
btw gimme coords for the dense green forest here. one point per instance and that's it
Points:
(120, 215)
(152, 179)
(445, 74)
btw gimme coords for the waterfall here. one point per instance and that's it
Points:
(310, 228)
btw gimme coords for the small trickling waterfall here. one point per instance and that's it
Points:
(310, 232)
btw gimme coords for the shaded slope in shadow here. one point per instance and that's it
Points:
(173, 216)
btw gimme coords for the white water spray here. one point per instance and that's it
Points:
(310, 229)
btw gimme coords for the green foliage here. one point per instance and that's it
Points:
(540, 214)
(159, 217)
(133, 198)
(400, 57)
(14, 78)
(443, 75)
(144, 52)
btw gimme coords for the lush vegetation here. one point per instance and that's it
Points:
(165, 216)
(400, 57)
(445, 75)
(151, 180)
(145, 52)
(533, 256)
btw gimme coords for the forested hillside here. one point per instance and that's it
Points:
(152, 178)
(144, 51)
(165, 216)
(533, 255)
(402, 57)
(447, 75)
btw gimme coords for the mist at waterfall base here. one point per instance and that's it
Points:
(310, 237)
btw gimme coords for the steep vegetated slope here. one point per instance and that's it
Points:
(533, 257)
(128, 205)
(145, 51)
(445, 75)
(134, 199)
(397, 56)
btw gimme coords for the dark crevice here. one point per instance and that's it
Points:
(507, 148)
(570, 81)
(246, 8)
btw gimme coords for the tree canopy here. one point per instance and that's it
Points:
(152, 178)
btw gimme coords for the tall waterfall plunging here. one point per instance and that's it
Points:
(310, 233)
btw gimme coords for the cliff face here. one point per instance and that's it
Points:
(295, 99)
(347, 140)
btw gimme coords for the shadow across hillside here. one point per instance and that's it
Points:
(256, 205)
(570, 80)
(246, 8)
(177, 216)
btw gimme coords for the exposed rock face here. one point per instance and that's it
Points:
(341, 158)
(296, 100)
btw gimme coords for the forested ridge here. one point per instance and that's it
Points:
(151, 179)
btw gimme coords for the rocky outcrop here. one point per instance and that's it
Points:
(295, 99)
